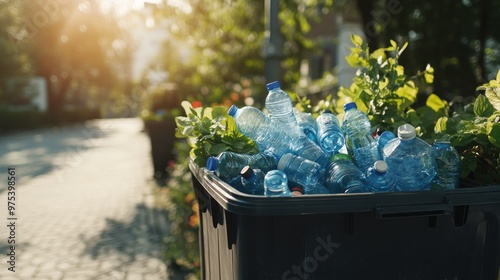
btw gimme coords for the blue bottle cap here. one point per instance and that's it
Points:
(273, 85)
(350, 105)
(232, 110)
(212, 163)
(327, 111)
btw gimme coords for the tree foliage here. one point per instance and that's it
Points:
(224, 39)
(461, 46)
(80, 50)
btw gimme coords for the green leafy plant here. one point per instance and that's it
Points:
(475, 132)
(178, 198)
(210, 131)
(383, 90)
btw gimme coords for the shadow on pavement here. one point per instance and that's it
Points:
(134, 240)
(38, 152)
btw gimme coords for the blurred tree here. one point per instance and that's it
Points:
(76, 47)
(225, 42)
(14, 60)
(458, 38)
(226, 39)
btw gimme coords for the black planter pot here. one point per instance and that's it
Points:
(162, 138)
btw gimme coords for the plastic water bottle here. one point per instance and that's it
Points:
(305, 148)
(235, 182)
(272, 138)
(447, 166)
(330, 136)
(379, 179)
(280, 108)
(253, 123)
(300, 170)
(410, 160)
(276, 184)
(228, 165)
(342, 176)
(356, 125)
(252, 180)
(307, 123)
(382, 140)
(316, 189)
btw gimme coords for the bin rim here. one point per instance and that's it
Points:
(240, 203)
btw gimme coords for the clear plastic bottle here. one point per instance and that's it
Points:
(280, 108)
(235, 182)
(342, 176)
(305, 148)
(276, 184)
(357, 127)
(307, 123)
(447, 166)
(252, 180)
(253, 123)
(379, 179)
(410, 160)
(316, 189)
(382, 140)
(300, 170)
(273, 138)
(330, 136)
(228, 165)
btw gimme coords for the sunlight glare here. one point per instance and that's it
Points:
(182, 5)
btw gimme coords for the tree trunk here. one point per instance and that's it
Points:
(366, 9)
(482, 36)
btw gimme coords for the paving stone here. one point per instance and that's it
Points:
(84, 197)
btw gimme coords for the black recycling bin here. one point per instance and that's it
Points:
(162, 138)
(427, 235)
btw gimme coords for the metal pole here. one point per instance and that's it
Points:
(274, 42)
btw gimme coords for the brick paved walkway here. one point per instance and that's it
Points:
(84, 203)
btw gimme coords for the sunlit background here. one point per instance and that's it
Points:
(65, 62)
(84, 59)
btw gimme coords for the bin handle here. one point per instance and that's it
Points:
(387, 212)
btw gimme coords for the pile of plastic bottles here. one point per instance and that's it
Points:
(303, 155)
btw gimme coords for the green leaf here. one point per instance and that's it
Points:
(482, 107)
(412, 118)
(393, 43)
(435, 103)
(462, 139)
(356, 39)
(493, 95)
(429, 74)
(468, 165)
(355, 60)
(493, 129)
(482, 139)
(187, 106)
(187, 130)
(218, 148)
(441, 125)
(219, 111)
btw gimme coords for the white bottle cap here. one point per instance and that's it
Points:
(406, 131)
(380, 166)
